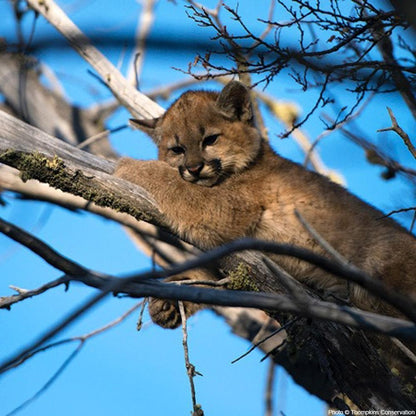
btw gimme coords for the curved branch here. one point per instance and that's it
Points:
(144, 284)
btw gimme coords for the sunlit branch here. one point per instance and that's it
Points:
(144, 26)
(138, 104)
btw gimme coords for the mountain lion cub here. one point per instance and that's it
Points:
(217, 180)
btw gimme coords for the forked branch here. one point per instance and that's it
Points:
(397, 129)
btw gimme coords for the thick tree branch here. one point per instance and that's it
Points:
(138, 104)
(47, 159)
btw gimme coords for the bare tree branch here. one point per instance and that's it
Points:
(40, 156)
(144, 285)
(190, 368)
(318, 60)
(144, 26)
(376, 156)
(138, 104)
(397, 129)
(50, 381)
(81, 340)
(7, 301)
(269, 389)
(140, 286)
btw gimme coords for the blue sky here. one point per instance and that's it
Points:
(123, 371)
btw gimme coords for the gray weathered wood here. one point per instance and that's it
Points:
(40, 156)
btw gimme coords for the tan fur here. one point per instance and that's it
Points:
(240, 188)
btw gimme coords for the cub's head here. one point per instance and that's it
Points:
(206, 135)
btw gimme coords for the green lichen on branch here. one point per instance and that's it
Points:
(36, 166)
(54, 172)
(241, 279)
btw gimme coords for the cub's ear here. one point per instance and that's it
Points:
(146, 125)
(234, 102)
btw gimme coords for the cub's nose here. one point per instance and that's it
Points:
(195, 169)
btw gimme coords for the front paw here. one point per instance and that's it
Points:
(165, 313)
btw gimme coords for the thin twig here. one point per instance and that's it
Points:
(320, 240)
(100, 136)
(413, 222)
(337, 126)
(49, 383)
(386, 46)
(268, 354)
(270, 388)
(7, 301)
(254, 346)
(79, 338)
(269, 26)
(82, 340)
(10, 362)
(240, 59)
(397, 129)
(144, 26)
(143, 304)
(398, 211)
(375, 155)
(190, 368)
(111, 324)
(287, 113)
(165, 91)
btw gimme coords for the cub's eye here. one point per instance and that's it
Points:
(210, 140)
(178, 150)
